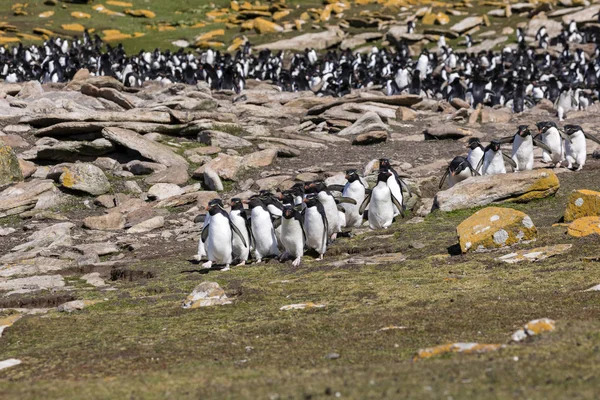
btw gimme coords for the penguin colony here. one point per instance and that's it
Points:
(306, 217)
(516, 77)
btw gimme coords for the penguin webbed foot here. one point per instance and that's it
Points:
(296, 262)
(207, 265)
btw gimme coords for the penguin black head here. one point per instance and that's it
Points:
(384, 163)
(384, 175)
(543, 126)
(458, 165)
(494, 145)
(317, 186)
(311, 200)
(290, 212)
(474, 143)
(351, 175)
(215, 206)
(523, 130)
(571, 129)
(236, 204)
(256, 201)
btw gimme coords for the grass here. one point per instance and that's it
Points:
(140, 343)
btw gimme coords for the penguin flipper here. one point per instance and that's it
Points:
(444, 178)
(506, 140)
(542, 145)
(277, 222)
(473, 171)
(591, 137)
(565, 136)
(336, 188)
(400, 207)
(364, 204)
(347, 200)
(480, 163)
(509, 160)
(237, 232)
(204, 234)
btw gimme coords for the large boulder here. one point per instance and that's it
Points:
(10, 172)
(59, 150)
(483, 190)
(225, 165)
(23, 196)
(495, 227)
(582, 203)
(162, 191)
(318, 41)
(370, 121)
(147, 148)
(466, 24)
(84, 177)
(584, 227)
(222, 139)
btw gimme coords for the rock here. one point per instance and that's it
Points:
(206, 294)
(10, 362)
(490, 115)
(226, 166)
(108, 94)
(582, 203)
(405, 114)
(99, 248)
(482, 190)
(147, 148)
(262, 26)
(318, 41)
(487, 45)
(7, 231)
(108, 222)
(370, 121)
(212, 180)
(177, 175)
(53, 149)
(148, 225)
(259, 159)
(84, 177)
(31, 90)
(76, 305)
(52, 236)
(138, 167)
(202, 151)
(447, 131)
(23, 196)
(459, 103)
(466, 24)
(222, 140)
(468, 348)
(10, 170)
(301, 306)
(272, 182)
(94, 279)
(495, 227)
(8, 321)
(584, 227)
(27, 168)
(162, 191)
(553, 28)
(533, 328)
(371, 137)
(132, 187)
(537, 254)
(14, 141)
(32, 284)
(586, 15)
(283, 151)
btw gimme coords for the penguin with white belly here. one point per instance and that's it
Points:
(458, 170)
(205, 219)
(522, 150)
(355, 188)
(293, 237)
(396, 184)
(552, 138)
(475, 153)
(329, 205)
(315, 225)
(576, 147)
(217, 236)
(241, 248)
(493, 160)
(381, 202)
(262, 230)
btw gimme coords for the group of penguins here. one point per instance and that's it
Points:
(308, 216)
(516, 77)
(558, 145)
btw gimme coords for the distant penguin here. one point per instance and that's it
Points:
(458, 170)
(217, 237)
(241, 245)
(262, 230)
(493, 159)
(552, 138)
(475, 153)
(292, 234)
(576, 147)
(565, 103)
(381, 202)
(315, 225)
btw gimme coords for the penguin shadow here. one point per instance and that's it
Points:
(202, 271)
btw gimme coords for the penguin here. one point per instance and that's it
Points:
(355, 189)
(458, 170)
(576, 147)
(522, 150)
(381, 202)
(396, 184)
(205, 219)
(217, 237)
(551, 138)
(565, 102)
(292, 234)
(315, 225)
(330, 207)
(493, 159)
(475, 153)
(262, 230)
(240, 220)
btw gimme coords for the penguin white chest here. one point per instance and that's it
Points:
(493, 163)
(331, 212)
(218, 243)
(292, 237)
(381, 208)
(553, 140)
(239, 250)
(396, 191)
(316, 237)
(354, 190)
(265, 242)
(523, 153)
(576, 150)
(461, 176)
(474, 158)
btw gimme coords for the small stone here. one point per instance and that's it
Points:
(84, 177)
(417, 245)
(537, 254)
(76, 305)
(332, 356)
(11, 362)
(212, 180)
(405, 114)
(371, 137)
(148, 225)
(206, 294)
(468, 348)
(94, 279)
(301, 306)
(132, 187)
(107, 222)
(162, 191)
(533, 328)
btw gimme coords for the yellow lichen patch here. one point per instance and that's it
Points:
(326, 13)
(118, 36)
(42, 31)
(235, 6)
(164, 28)
(210, 35)
(119, 3)
(533, 328)
(261, 25)
(247, 25)
(203, 44)
(582, 203)
(468, 348)
(138, 34)
(277, 15)
(140, 13)
(245, 6)
(6, 40)
(298, 23)
(28, 36)
(80, 15)
(543, 187)
(364, 2)
(46, 14)
(495, 227)
(429, 19)
(237, 43)
(442, 18)
(73, 27)
(67, 178)
(198, 25)
(215, 14)
(8, 321)
(8, 27)
(584, 227)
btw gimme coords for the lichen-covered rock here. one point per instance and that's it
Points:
(84, 177)
(495, 227)
(10, 171)
(584, 227)
(5, 322)
(582, 203)
(468, 348)
(533, 328)
(206, 294)
(537, 254)
(261, 25)
(76, 305)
